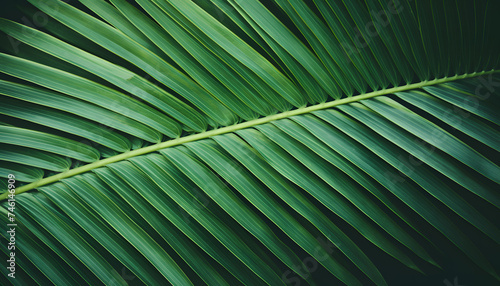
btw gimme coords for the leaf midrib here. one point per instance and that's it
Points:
(233, 128)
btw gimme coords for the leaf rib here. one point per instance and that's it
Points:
(232, 128)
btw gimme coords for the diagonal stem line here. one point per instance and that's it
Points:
(232, 128)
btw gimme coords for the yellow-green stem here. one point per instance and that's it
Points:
(232, 128)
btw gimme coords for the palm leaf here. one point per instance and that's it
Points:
(250, 142)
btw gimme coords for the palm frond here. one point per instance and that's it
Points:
(250, 142)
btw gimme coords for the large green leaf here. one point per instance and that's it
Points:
(228, 142)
